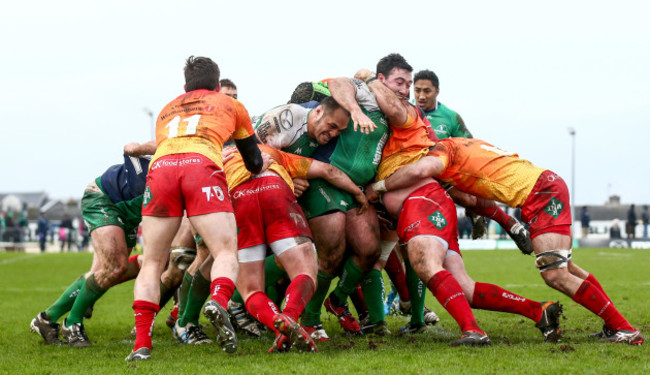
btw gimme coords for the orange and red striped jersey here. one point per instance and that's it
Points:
(201, 121)
(479, 168)
(286, 165)
(407, 143)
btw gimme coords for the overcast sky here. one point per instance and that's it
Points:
(75, 76)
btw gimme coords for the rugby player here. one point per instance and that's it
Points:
(186, 174)
(484, 170)
(111, 206)
(327, 208)
(268, 214)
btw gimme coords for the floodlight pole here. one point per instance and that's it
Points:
(572, 133)
(153, 124)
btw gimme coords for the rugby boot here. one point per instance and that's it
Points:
(242, 320)
(603, 333)
(89, 312)
(404, 307)
(300, 339)
(139, 355)
(472, 338)
(173, 315)
(218, 316)
(410, 329)
(623, 336)
(48, 330)
(75, 335)
(430, 317)
(190, 334)
(346, 320)
(521, 236)
(479, 225)
(281, 344)
(549, 323)
(317, 333)
(376, 329)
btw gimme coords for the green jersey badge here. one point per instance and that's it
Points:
(438, 219)
(554, 208)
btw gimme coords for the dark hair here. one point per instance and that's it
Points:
(429, 75)
(227, 83)
(394, 60)
(201, 73)
(330, 106)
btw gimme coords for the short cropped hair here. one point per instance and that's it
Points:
(429, 75)
(227, 83)
(201, 73)
(394, 60)
(330, 106)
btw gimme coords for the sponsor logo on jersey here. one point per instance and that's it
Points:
(512, 297)
(298, 219)
(412, 226)
(438, 220)
(146, 196)
(243, 193)
(554, 207)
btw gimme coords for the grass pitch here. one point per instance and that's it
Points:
(31, 282)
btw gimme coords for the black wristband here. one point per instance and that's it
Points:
(370, 80)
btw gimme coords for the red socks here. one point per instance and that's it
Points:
(262, 309)
(494, 298)
(450, 295)
(592, 279)
(397, 275)
(590, 296)
(221, 290)
(489, 208)
(145, 313)
(299, 292)
(358, 301)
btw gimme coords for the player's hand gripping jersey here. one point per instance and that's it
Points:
(478, 168)
(287, 166)
(201, 121)
(408, 143)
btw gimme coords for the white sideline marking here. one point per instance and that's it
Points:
(602, 253)
(37, 289)
(11, 260)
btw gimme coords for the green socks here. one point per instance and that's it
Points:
(199, 291)
(416, 292)
(184, 291)
(89, 294)
(311, 314)
(350, 278)
(65, 302)
(372, 287)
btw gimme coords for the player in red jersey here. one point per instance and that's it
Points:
(186, 174)
(484, 170)
(268, 214)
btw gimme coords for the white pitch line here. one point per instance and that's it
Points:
(11, 260)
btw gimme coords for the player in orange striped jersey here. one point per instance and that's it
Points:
(484, 170)
(267, 213)
(186, 174)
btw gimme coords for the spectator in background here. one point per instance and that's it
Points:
(631, 222)
(65, 232)
(2, 225)
(645, 217)
(615, 230)
(22, 227)
(41, 230)
(584, 220)
(83, 233)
